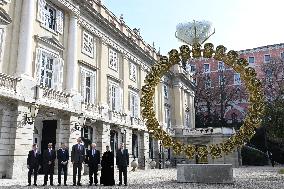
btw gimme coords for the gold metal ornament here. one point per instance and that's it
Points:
(240, 65)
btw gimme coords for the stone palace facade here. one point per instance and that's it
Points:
(67, 64)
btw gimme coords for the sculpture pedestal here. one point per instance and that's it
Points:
(205, 173)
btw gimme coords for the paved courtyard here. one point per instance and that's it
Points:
(245, 178)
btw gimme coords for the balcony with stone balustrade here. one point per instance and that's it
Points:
(9, 86)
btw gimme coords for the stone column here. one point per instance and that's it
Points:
(128, 142)
(178, 106)
(20, 142)
(24, 61)
(72, 64)
(102, 132)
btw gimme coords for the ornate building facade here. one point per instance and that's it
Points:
(71, 69)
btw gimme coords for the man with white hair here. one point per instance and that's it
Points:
(93, 159)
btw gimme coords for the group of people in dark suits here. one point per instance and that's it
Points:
(92, 158)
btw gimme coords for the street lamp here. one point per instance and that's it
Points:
(123, 133)
(31, 115)
(81, 122)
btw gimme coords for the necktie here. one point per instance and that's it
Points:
(94, 153)
(49, 152)
(79, 147)
(35, 153)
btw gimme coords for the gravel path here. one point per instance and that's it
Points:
(245, 178)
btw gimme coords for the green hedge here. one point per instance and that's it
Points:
(253, 157)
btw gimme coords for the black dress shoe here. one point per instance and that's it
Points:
(28, 184)
(125, 184)
(44, 185)
(58, 184)
(79, 184)
(90, 184)
(119, 184)
(35, 184)
(51, 184)
(65, 184)
(74, 184)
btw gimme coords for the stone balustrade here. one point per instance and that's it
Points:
(171, 131)
(52, 97)
(8, 83)
(208, 131)
(117, 117)
(136, 122)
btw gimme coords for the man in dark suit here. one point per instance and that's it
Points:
(77, 158)
(49, 157)
(33, 161)
(63, 157)
(93, 159)
(122, 161)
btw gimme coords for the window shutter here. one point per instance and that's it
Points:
(110, 95)
(136, 106)
(41, 10)
(92, 100)
(117, 98)
(83, 85)
(55, 74)
(60, 74)
(59, 21)
(38, 65)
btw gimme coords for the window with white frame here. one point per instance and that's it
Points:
(88, 85)
(221, 79)
(237, 79)
(207, 83)
(49, 68)
(206, 68)
(88, 44)
(133, 104)
(166, 91)
(1, 43)
(132, 71)
(267, 58)
(113, 59)
(251, 60)
(221, 66)
(50, 17)
(114, 96)
(168, 117)
(187, 119)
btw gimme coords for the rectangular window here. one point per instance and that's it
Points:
(221, 66)
(133, 104)
(50, 17)
(267, 58)
(113, 60)
(1, 43)
(166, 91)
(251, 60)
(49, 69)
(282, 55)
(88, 44)
(114, 97)
(206, 68)
(133, 72)
(88, 85)
(193, 68)
(167, 117)
(221, 80)
(237, 79)
(208, 83)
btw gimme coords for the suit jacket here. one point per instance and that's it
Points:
(33, 160)
(78, 156)
(62, 156)
(49, 157)
(93, 160)
(122, 159)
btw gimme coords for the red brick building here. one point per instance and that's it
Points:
(219, 89)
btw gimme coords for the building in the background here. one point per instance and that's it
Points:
(68, 64)
(220, 91)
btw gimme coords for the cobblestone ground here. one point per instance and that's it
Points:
(245, 178)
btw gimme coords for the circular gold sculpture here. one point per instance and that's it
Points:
(248, 75)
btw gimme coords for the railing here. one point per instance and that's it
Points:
(117, 117)
(8, 82)
(208, 131)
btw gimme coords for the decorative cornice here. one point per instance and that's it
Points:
(263, 48)
(114, 78)
(88, 64)
(70, 6)
(51, 41)
(133, 88)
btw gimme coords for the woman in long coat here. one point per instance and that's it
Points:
(107, 172)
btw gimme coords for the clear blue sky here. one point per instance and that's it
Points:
(239, 24)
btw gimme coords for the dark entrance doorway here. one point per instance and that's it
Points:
(48, 135)
(113, 141)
